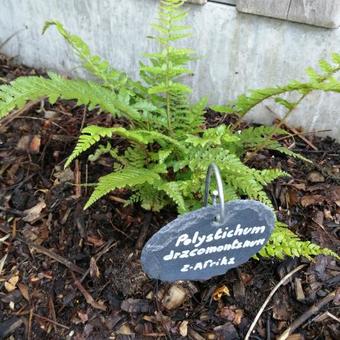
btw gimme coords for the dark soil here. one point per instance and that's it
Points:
(66, 273)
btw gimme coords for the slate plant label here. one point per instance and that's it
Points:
(194, 247)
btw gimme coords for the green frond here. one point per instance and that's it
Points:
(173, 190)
(261, 137)
(127, 177)
(24, 89)
(93, 133)
(90, 136)
(111, 77)
(284, 242)
(318, 82)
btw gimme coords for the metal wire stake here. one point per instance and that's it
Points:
(214, 168)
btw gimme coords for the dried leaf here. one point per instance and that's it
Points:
(124, 330)
(63, 176)
(24, 291)
(33, 213)
(219, 292)
(238, 316)
(299, 186)
(315, 177)
(95, 240)
(94, 270)
(10, 285)
(83, 316)
(35, 144)
(308, 200)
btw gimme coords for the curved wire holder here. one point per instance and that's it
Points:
(219, 192)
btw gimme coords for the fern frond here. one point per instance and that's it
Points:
(318, 82)
(254, 138)
(24, 89)
(284, 242)
(93, 133)
(90, 136)
(127, 177)
(111, 77)
(168, 65)
(173, 190)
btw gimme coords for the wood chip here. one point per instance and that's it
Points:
(175, 297)
(183, 328)
(300, 295)
(11, 283)
(136, 306)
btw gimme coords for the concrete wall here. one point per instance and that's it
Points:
(238, 51)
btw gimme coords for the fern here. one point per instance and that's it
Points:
(324, 81)
(168, 146)
(111, 77)
(24, 89)
(128, 177)
(256, 138)
(284, 242)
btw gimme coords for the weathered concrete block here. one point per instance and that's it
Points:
(313, 12)
(238, 51)
(198, 2)
(269, 8)
(325, 13)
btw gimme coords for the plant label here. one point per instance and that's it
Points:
(195, 247)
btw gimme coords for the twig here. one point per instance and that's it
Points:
(144, 231)
(283, 280)
(305, 316)
(52, 311)
(77, 179)
(51, 321)
(44, 120)
(296, 132)
(17, 113)
(88, 297)
(29, 328)
(105, 249)
(40, 249)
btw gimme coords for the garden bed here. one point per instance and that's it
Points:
(74, 273)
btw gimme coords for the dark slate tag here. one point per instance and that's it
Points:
(194, 247)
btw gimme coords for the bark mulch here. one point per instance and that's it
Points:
(66, 273)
